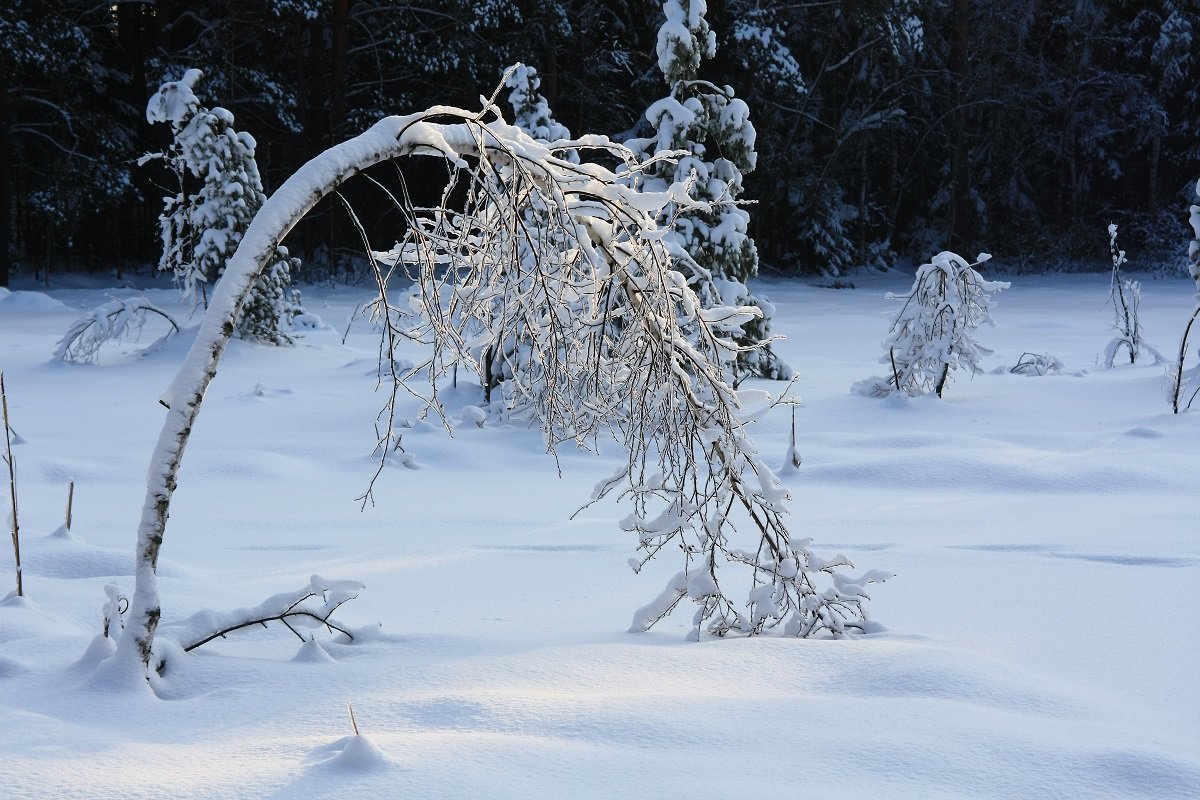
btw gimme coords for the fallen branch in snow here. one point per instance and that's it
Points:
(288, 609)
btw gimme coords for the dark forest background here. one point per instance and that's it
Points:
(887, 129)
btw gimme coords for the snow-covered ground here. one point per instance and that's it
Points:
(1041, 632)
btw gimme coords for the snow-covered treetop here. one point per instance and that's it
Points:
(531, 111)
(1173, 50)
(684, 39)
(175, 101)
(309, 9)
(1194, 245)
(905, 31)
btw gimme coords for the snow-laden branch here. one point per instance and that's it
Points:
(566, 258)
(108, 322)
(290, 609)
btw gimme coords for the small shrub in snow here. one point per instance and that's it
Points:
(1181, 378)
(114, 611)
(113, 321)
(934, 333)
(1036, 364)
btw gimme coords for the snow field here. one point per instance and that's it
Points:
(1040, 634)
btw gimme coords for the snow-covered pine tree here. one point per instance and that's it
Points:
(531, 111)
(201, 230)
(712, 128)
(933, 334)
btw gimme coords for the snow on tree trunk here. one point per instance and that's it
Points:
(608, 349)
(388, 139)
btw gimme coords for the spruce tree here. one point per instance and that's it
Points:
(201, 230)
(531, 111)
(713, 128)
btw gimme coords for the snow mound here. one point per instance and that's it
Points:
(311, 652)
(351, 754)
(11, 667)
(29, 301)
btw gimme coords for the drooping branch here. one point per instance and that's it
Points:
(568, 260)
(449, 133)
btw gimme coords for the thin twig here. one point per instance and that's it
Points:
(12, 488)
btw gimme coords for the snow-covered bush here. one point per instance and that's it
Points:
(200, 230)
(109, 322)
(711, 130)
(934, 333)
(608, 357)
(1036, 365)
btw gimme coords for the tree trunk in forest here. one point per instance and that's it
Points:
(337, 89)
(959, 233)
(5, 183)
(1152, 178)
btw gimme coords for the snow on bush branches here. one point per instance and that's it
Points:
(934, 332)
(107, 322)
(618, 346)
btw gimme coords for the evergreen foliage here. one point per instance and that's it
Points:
(885, 129)
(709, 130)
(200, 230)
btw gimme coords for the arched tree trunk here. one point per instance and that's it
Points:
(390, 138)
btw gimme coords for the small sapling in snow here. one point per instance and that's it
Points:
(934, 333)
(1126, 298)
(1179, 377)
(12, 488)
(114, 611)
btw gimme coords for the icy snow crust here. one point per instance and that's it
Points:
(1040, 642)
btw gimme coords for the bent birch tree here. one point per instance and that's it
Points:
(617, 345)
